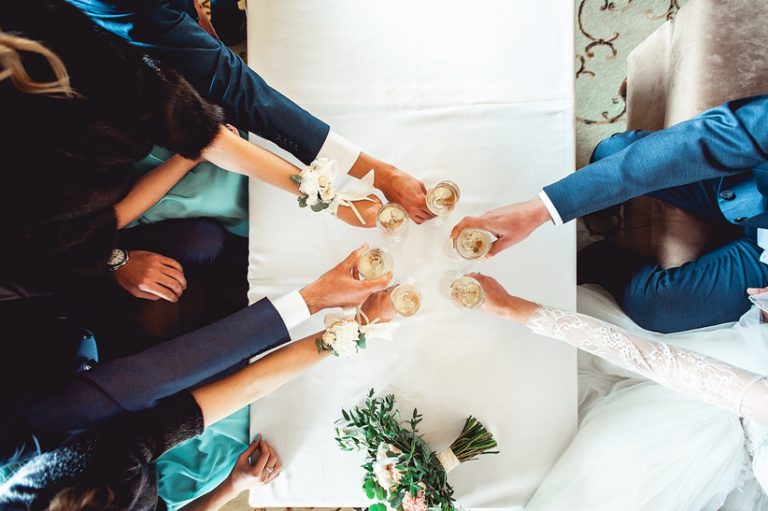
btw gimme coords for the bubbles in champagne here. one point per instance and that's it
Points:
(442, 199)
(392, 222)
(467, 292)
(406, 300)
(374, 263)
(473, 243)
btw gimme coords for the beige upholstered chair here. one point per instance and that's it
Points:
(713, 51)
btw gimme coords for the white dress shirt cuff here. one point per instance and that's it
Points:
(340, 149)
(556, 218)
(292, 309)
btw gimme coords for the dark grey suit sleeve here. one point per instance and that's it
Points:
(140, 381)
(729, 139)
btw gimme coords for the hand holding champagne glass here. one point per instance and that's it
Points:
(463, 290)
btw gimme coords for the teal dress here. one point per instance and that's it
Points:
(195, 467)
(206, 191)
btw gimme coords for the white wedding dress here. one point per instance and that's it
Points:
(660, 425)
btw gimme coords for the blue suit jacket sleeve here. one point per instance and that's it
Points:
(174, 38)
(140, 381)
(729, 139)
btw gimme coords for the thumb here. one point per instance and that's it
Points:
(496, 247)
(755, 290)
(354, 257)
(249, 451)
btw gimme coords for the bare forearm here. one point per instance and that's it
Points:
(223, 397)
(151, 188)
(231, 152)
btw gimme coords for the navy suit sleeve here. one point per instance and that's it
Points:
(729, 139)
(174, 38)
(140, 381)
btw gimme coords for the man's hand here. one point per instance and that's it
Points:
(498, 301)
(510, 224)
(339, 287)
(396, 185)
(367, 209)
(151, 276)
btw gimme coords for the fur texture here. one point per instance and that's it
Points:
(64, 163)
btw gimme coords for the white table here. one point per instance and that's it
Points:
(482, 95)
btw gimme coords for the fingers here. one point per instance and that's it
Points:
(277, 468)
(260, 464)
(756, 290)
(375, 285)
(497, 246)
(159, 290)
(353, 258)
(269, 464)
(144, 295)
(250, 451)
(172, 284)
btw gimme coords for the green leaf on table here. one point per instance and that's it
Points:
(319, 206)
(302, 202)
(378, 507)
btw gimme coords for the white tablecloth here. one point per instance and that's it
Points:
(482, 95)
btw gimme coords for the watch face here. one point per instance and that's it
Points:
(117, 258)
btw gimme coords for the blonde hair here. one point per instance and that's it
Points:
(70, 499)
(11, 66)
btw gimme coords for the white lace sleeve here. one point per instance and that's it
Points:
(685, 371)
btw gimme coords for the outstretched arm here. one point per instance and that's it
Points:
(688, 372)
(725, 140)
(231, 152)
(151, 188)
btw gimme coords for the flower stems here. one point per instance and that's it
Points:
(473, 441)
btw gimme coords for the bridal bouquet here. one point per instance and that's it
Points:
(402, 472)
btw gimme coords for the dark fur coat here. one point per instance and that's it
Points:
(65, 162)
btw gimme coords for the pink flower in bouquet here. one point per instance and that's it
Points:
(417, 503)
(385, 468)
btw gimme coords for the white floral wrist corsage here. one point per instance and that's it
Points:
(346, 336)
(316, 186)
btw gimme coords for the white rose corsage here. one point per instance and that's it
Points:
(316, 186)
(345, 336)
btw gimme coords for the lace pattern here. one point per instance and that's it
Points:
(685, 371)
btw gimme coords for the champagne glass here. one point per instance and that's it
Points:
(473, 243)
(374, 263)
(464, 291)
(392, 222)
(406, 298)
(442, 199)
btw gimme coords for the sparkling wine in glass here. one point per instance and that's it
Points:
(464, 291)
(392, 222)
(442, 198)
(406, 299)
(472, 243)
(374, 263)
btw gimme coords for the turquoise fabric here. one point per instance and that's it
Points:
(207, 191)
(197, 466)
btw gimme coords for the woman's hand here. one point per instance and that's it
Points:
(367, 209)
(379, 306)
(498, 301)
(256, 466)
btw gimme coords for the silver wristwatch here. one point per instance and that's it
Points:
(118, 259)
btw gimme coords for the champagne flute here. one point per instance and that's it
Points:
(392, 222)
(406, 298)
(464, 291)
(473, 243)
(374, 263)
(442, 199)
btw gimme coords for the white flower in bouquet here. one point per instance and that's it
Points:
(343, 336)
(385, 467)
(316, 181)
